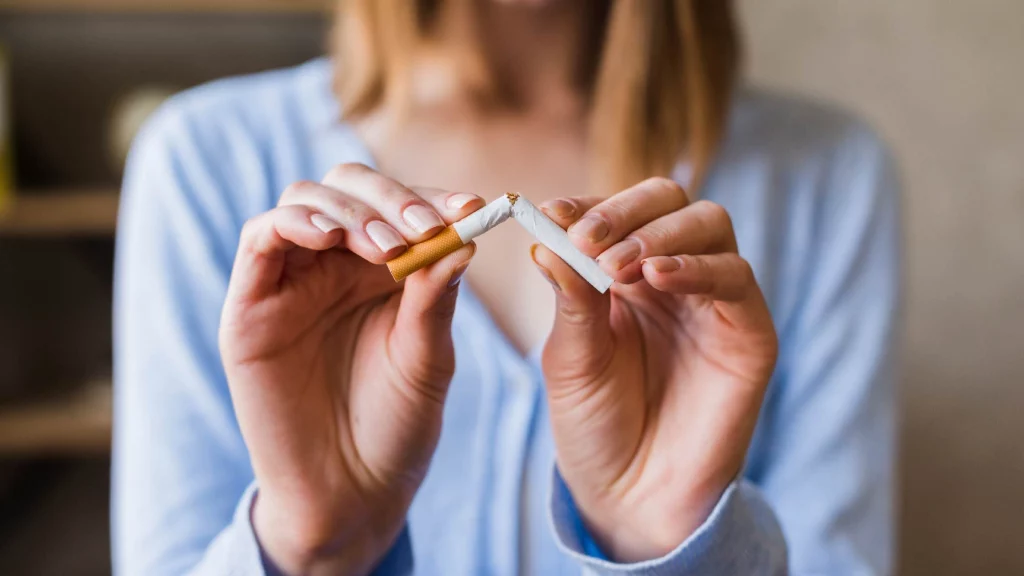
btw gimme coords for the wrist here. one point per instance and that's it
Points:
(627, 541)
(632, 529)
(297, 544)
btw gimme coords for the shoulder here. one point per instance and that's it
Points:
(259, 110)
(803, 156)
(233, 144)
(255, 101)
(812, 189)
(796, 133)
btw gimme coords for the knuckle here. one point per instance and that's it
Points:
(297, 189)
(703, 267)
(614, 213)
(573, 316)
(746, 271)
(705, 275)
(354, 213)
(345, 171)
(426, 194)
(654, 236)
(249, 229)
(372, 184)
(445, 307)
(584, 203)
(387, 188)
(668, 186)
(662, 183)
(717, 215)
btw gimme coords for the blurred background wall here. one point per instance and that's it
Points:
(944, 83)
(72, 68)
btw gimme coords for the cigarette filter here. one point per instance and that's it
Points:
(450, 239)
(557, 240)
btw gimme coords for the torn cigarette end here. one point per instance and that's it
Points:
(510, 205)
(425, 253)
(557, 240)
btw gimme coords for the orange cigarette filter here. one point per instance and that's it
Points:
(425, 253)
(452, 238)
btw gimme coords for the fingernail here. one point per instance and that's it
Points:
(385, 237)
(664, 264)
(459, 201)
(543, 271)
(593, 228)
(323, 223)
(421, 218)
(562, 209)
(622, 254)
(457, 275)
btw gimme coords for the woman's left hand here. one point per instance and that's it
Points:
(655, 388)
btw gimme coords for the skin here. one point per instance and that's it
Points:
(339, 376)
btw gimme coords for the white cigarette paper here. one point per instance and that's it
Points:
(542, 228)
(557, 240)
(483, 219)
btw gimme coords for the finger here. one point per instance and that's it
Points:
(411, 215)
(267, 240)
(421, 339)
(726, 278)
(581, 336)
(367, 232)
(615, 218)
(566, 211)
(451, 206)
(701, 228)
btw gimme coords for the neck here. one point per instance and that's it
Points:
(526, 57)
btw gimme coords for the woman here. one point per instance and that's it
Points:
(284, 407)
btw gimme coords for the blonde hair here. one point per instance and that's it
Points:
(659, 78)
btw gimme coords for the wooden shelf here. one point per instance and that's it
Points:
(64, 213)
(78, 425)
(166, 6)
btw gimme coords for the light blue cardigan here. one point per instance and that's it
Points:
(814, 200)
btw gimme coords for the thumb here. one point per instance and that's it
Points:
(421, 340)
(579, 349)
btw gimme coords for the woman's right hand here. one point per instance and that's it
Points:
(338, 375)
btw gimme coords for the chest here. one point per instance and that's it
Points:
(539, 161)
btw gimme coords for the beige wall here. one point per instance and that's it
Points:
(944, 83)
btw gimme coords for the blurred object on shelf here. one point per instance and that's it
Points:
(67, 213)
(6, 152)
(78, 424)
(167, 6)
(128, 116)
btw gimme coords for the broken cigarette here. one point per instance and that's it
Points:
(557, 240)
(542, 228)
(450, 239)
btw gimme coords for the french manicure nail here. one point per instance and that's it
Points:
(421, 218)
(664, 264)
(622, 254)
(593, 228)
(459, 201)
(323, 223)
(385, 237)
